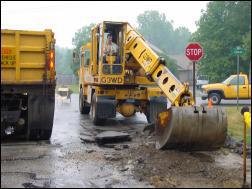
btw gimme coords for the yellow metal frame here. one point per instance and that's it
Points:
(98, 76)
(124, 94)
(26, 45)
(150, 62)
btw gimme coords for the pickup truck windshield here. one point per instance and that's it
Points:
(227, 81)
(233, 80)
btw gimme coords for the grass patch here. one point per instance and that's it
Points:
(74, 88)
(235, 124)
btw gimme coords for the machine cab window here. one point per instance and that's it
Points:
(86, 58)
(112, 49)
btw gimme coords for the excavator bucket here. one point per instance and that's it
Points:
(191, 128)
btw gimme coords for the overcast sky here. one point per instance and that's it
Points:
(65, 18)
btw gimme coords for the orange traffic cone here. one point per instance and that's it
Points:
(210, 103)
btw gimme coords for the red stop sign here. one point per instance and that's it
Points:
(194, 51)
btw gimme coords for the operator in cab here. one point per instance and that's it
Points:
(110, 49)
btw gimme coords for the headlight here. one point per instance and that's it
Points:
(203, 90)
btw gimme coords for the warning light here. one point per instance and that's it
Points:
(51, 64)
(51, 54)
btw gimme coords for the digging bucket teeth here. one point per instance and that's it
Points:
(191, 128)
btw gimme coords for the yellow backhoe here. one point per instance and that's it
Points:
(126, 80)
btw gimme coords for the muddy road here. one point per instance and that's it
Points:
(72, 158)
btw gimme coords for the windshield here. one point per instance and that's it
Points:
(233, 80)
(227, 81)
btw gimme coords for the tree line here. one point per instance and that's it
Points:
(155, 28)
(221, 27)
(63, 59)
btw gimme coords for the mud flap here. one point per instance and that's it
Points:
(40, 116)
(106, 107)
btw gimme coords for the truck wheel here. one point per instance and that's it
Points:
(153, 109)
(46, 134)
(215, 97)
(94, 113)
(82, 104)
(40, 117)
(38, 134)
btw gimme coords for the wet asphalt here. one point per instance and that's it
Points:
(65, 161)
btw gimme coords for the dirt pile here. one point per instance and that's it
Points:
(237, 146)
(171, 168)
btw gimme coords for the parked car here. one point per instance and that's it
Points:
(202, 80)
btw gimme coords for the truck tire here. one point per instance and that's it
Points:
(38, 134)
(84, 109)
(46, 134)
(154, 107)
(94, 113)
(40, 117)
(215, 97)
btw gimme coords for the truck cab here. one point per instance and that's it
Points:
(228, 89)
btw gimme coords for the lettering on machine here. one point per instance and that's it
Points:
(111, 80)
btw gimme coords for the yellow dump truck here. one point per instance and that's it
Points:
(27, 84)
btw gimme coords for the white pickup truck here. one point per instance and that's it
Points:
(202, 80)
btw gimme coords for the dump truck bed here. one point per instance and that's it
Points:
(24, 56)
(27, 84)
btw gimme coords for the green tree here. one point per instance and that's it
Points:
(170, 63)
(247, 45)
(81, 37)
(159, 31)
(156, 29)
(222, 27)
(63, 59)
(182, 36)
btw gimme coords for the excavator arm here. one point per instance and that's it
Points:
(155, 69)
(183, 125)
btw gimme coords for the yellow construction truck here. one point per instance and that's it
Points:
(119, 72)
(227, 89)
(27, 84)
